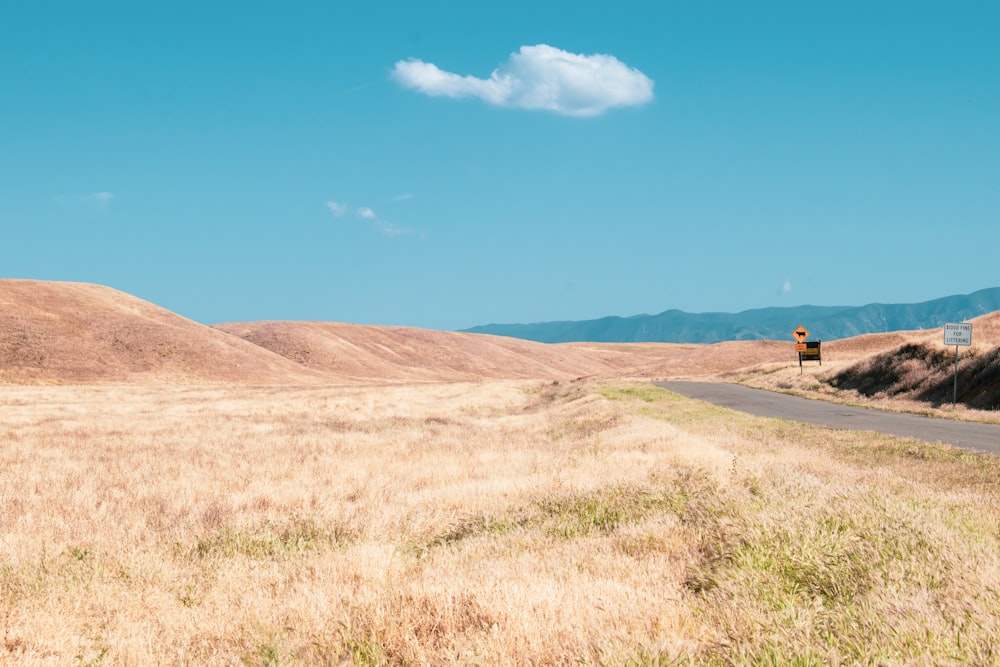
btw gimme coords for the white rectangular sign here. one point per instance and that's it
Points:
(958, 334)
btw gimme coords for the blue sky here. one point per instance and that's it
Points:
(449, 164)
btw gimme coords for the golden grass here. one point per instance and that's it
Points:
(491, 523)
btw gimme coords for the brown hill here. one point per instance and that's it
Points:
(61, 332)
(78, 333)
(985, 330)
(359, 352)
(55, 332)
(372, 352)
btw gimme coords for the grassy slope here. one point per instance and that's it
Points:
(929, 374)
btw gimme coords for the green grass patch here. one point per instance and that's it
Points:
(269, 540)
(476, 526)
(658, 403)
(575, 515)
(645, 393)
(604, 510)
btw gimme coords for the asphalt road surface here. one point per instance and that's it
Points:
(970, 435)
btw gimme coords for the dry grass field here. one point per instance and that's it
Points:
(321, 494)
(502, 522)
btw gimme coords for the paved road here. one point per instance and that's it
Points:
(970, 435)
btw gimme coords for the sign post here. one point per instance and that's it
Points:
(957, 334)
(809, 349)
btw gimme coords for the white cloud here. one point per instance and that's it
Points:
(403, 197)
(338, 210)
(787, 287)
(538, 77)
(366, 213)
(428, 79)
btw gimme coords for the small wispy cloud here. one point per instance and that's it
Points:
(786, 287)
(337, 209)
(385, 228)
(391, 231)
(403, 197)
(351, 91)
(539, 77)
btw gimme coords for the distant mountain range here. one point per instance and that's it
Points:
(823, 322)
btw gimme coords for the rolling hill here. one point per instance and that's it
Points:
(62, 332)
(360, 352)
(65, 333)
(76, 333)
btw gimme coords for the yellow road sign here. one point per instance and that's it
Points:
(801, 334)
(801, 347)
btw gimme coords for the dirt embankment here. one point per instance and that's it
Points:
(926, 372)
(919, 367)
